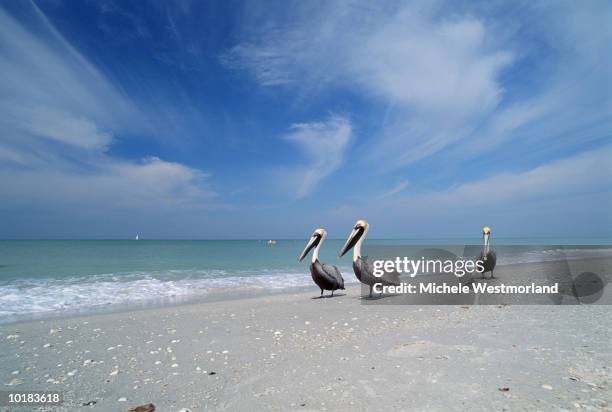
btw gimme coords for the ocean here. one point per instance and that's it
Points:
(42, 278)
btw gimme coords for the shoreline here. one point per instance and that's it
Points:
(523, 273)
(154, 304)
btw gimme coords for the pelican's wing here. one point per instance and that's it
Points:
(333, 271)
(366, 265)
(493, 257)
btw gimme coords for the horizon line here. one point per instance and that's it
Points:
(297, 238)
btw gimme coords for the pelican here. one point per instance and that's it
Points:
(326, 277)
(488, 256)
(362, 268)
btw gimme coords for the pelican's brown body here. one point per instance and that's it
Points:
(326, 277)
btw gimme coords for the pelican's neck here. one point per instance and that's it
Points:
(357, 248)
(485, 247)
(315, 254)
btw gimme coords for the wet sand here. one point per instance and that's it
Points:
(293, 352)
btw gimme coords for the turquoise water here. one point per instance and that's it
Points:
(46, 277)
(59, 258)
(42, 277)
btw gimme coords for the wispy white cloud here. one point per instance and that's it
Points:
(151, 184)
(443, 73)
(42, 70)
(432, 66)
(59, 117)
(398, 188)
(560, 178)
(551, 198)
(49, 123)
(323, 145)
(265, 62)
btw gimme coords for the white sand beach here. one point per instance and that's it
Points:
(293, 352)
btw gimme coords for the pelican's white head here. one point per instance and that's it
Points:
(486, 234)
(314, 242)
(355, 239)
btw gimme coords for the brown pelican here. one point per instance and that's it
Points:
(362, 268)
(327, 277)
(488, 256)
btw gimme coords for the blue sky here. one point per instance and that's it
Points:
(257, 119)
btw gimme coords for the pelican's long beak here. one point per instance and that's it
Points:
(312, 243)
(352, 240)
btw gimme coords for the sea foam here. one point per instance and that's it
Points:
(20, 298)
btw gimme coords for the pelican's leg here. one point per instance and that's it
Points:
(321, 292)
(332, 293)
(371, 288)
(492, 277)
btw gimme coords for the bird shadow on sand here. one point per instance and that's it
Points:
(329, 296)
(377, 297)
